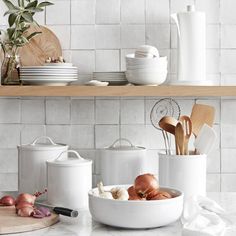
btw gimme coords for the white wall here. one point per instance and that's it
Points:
(96, 35)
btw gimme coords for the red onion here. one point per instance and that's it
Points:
(22, 205)
(7, 201)
(38, 214)
(25, 197)
(25, 211)
(45, 211)
(146, 185)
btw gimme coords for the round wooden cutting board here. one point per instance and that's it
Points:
(11, 223)
(40, 47)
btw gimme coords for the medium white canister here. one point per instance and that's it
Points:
(32, 164)
(121, 164)
(69, 180)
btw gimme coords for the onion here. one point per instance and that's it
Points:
(45, 211)
(25, 211)
(22, 205)
(161, 195)
(146, 185)
(133, 195)
(38, 214)
(25, 197)
(7, 201)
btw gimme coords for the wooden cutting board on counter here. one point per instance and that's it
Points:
(11, 223)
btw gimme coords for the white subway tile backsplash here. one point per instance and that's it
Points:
(132, 111)
(10, 110)
(83, 11)
(9, 160)
(132, 36)
(214, 161)
(107, 60)
(213, 36)
(82, 37)
(133, 11)
(228, 136)
(57, 111)
(228, 34)
(9, 181)
(228, 79)
(33, 111)
(30, 132)
(107, 36)
(158, 36)
(82, 136)
(212, 61)
(58, 14)
(154, 138)
(228, 182)
(228, 160)
(82, 111)
(213, 183)
(105, 135)
(59, 133)
(108, 13)
(228, 58)
(157, 11)
(228, 15)
(9, 135)
(228, 112)
(107, 111)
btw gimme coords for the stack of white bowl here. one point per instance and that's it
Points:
(146, 67)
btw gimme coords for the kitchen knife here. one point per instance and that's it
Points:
(60, 210)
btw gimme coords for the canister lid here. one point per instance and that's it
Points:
(43, 146)
(64, 160)
(129, 147)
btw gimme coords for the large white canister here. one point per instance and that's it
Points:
(121, 164)
(32, 164)
(69, 180)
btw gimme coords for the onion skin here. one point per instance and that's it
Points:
(161, 195)
(22, 205)
(7, 201)
(25, 197)
(146, 184)
(133, 195)
(25, 211)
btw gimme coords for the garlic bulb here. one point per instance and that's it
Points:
(103, 193)
(120, 194)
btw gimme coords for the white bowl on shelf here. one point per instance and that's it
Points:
(135, 214)
(132, 60)
(146, 78)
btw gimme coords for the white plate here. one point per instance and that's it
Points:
(47, 78)
(47, 67)
(60, 82)
(58, 64)
(45, 75)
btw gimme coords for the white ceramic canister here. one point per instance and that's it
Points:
(32, 164)
(121, 164)
(69, 180)
(186, 173)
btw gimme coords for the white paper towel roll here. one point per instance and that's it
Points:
(191, 27)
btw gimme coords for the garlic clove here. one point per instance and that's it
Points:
(120, 194)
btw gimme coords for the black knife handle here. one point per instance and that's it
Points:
(65, 211)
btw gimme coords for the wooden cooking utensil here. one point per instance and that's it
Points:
(201, 114)
(40, 47)
(187, 126)
(179, 139)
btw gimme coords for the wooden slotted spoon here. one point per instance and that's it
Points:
(179, 139)
(201, 114)
(187, 126)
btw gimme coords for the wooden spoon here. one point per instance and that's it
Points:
(187, 126)
(179, 139)
(201, 114)
(168, 124)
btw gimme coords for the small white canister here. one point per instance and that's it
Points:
(69, 180)
(32, 164)
(121, 164)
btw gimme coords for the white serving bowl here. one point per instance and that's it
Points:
(131, 60)
(146, 78)
(136, 214)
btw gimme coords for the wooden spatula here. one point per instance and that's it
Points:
(179, 139)
(201, 114)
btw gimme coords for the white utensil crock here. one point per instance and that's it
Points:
(186, 173)
(69, 180)
(122, 164)
(32, 164)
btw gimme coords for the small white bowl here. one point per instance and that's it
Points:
(131, 60)
(136, 214)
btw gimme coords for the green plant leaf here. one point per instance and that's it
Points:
(28, 17)
(33, 35)
(32, 4)
(10, 32)
(12, 19)
(34, 9)
(10, 12)
(44, 4)
(9, 4)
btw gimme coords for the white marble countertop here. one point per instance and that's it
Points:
(83, 225)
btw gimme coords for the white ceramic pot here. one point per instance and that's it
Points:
(136, 214)
(122, 164)
(69, 180)
(32, 164)
(184, 172)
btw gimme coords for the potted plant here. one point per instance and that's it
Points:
(20, 18)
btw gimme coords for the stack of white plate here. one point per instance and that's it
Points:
(146, 70)
(48, 75)
(114, 78)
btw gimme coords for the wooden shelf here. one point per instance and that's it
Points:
(76, 90)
